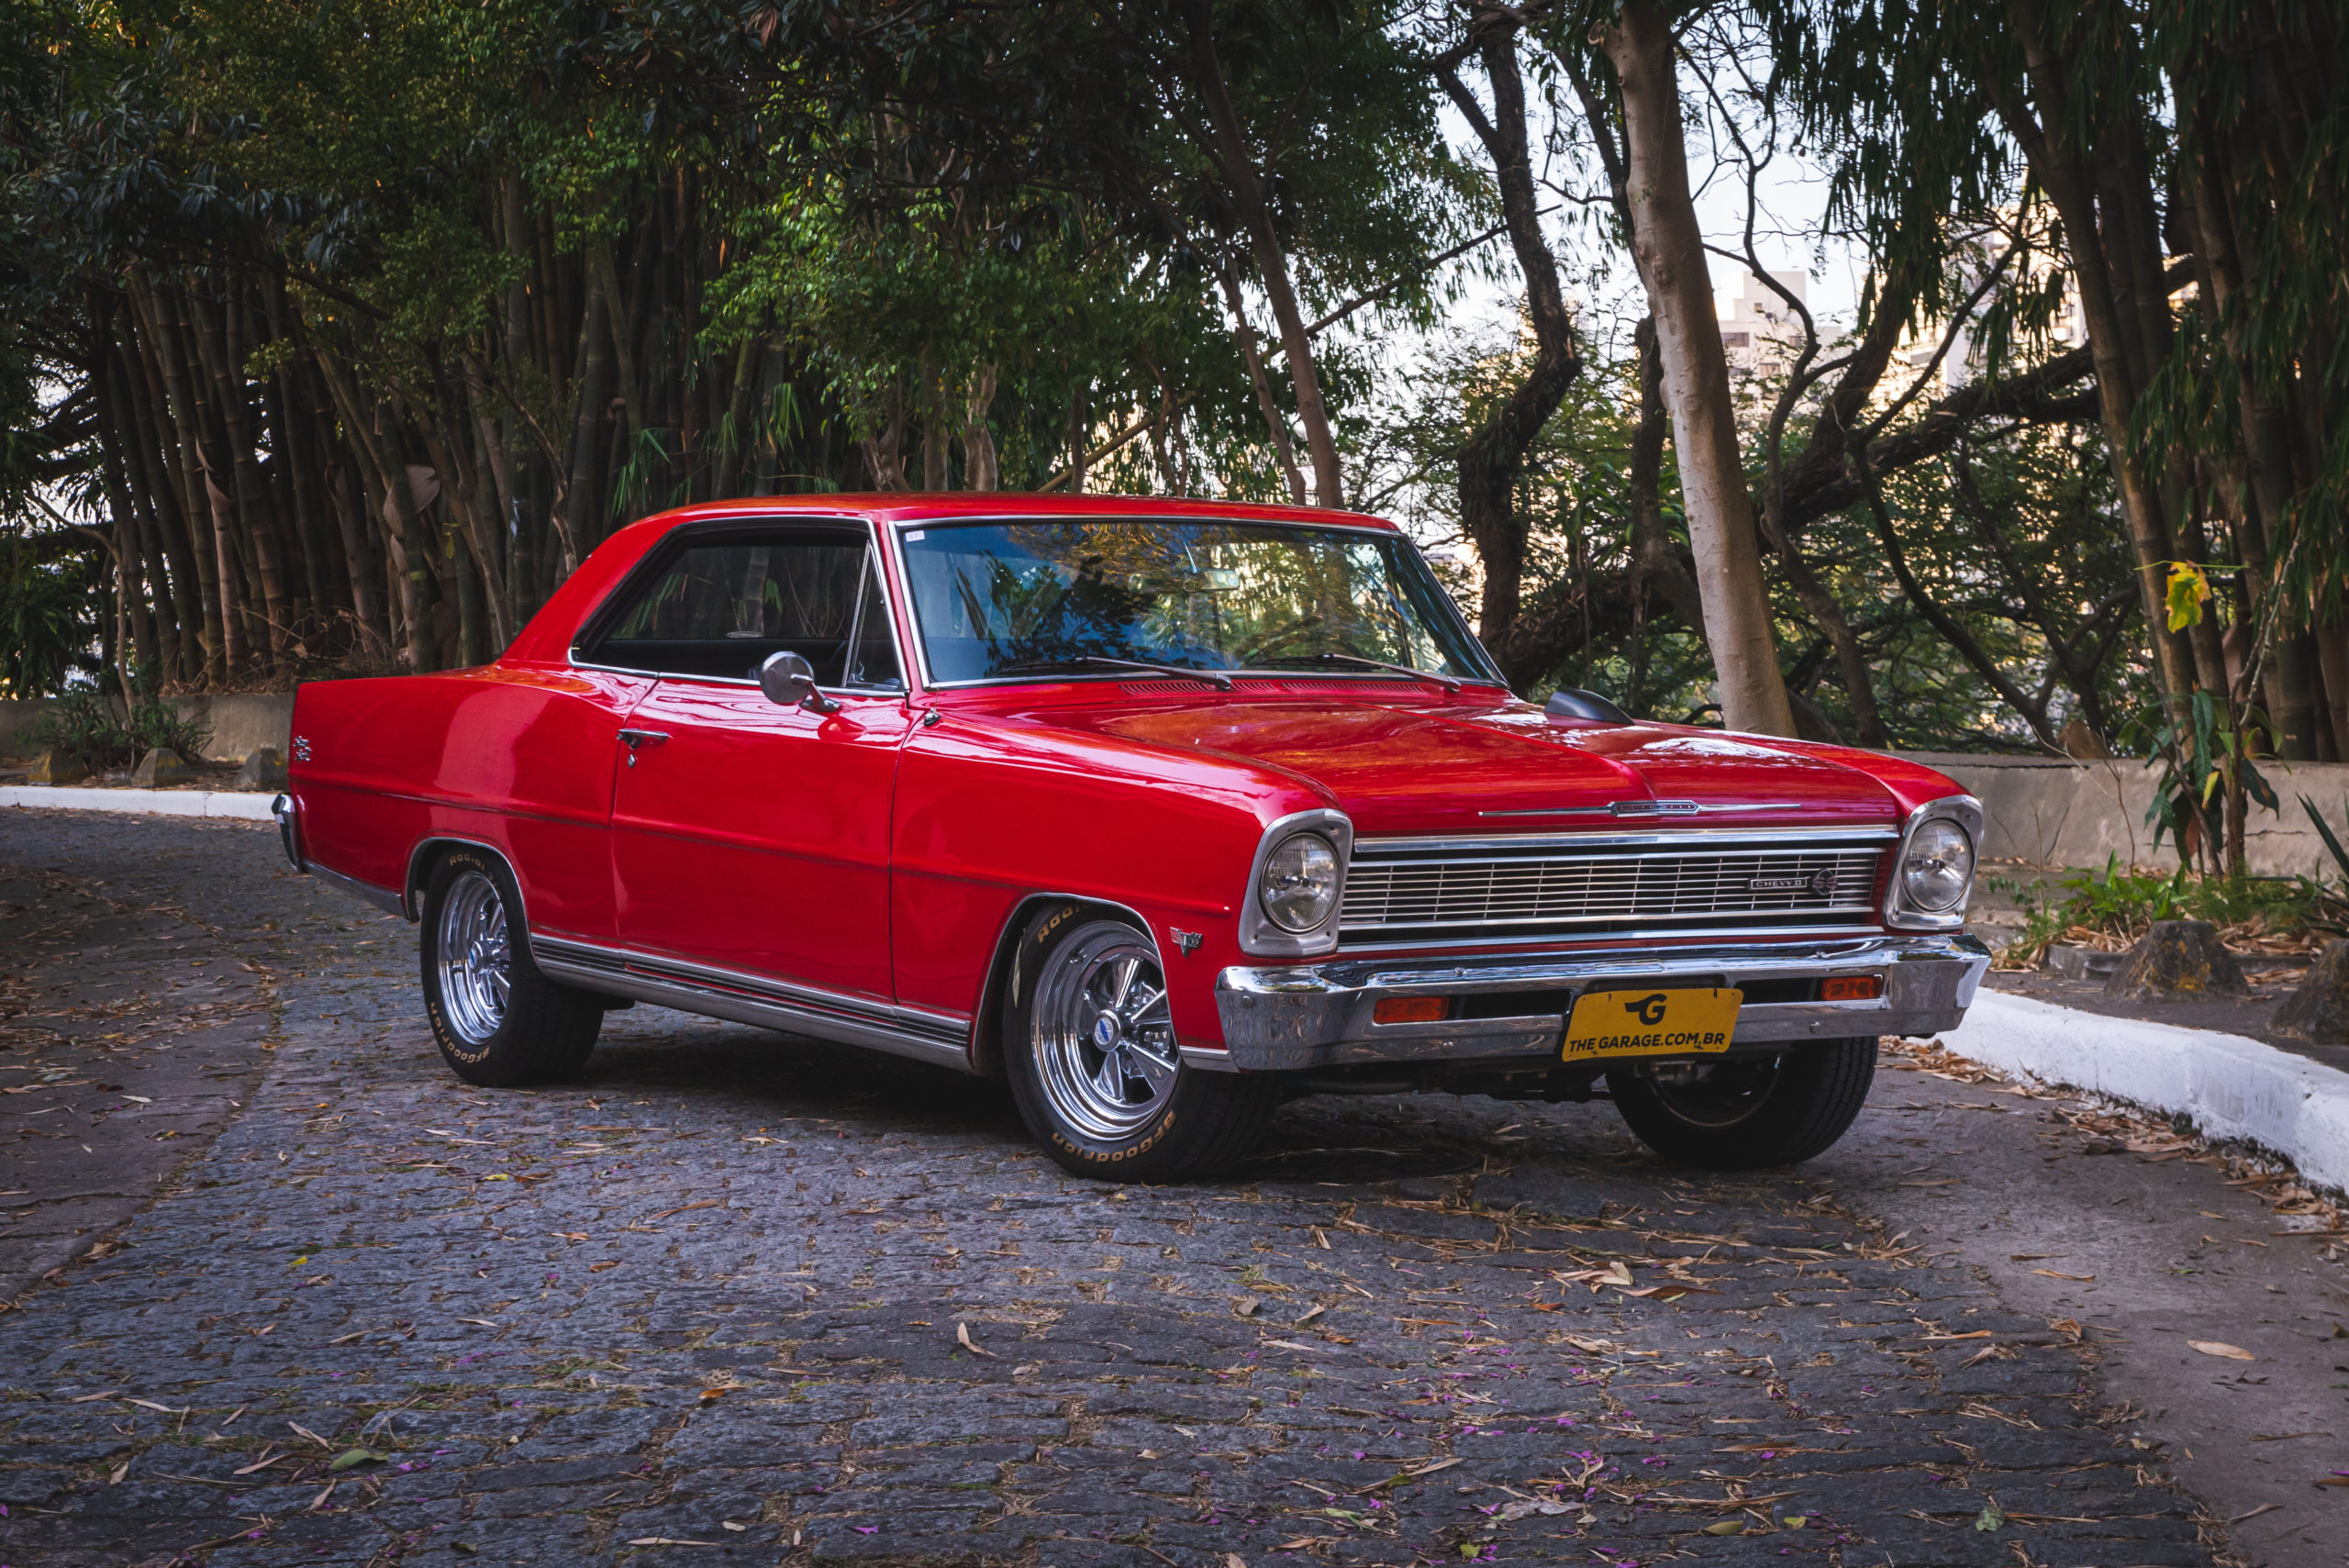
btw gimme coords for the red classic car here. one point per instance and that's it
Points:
(1166, 810)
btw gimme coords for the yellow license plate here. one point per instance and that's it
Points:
(1650, 1023)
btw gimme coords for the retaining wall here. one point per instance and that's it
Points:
(2052, 812)
(240, 724)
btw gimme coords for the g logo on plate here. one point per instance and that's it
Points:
(1650, 1009)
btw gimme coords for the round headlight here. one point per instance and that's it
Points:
(1938, 868)
(1299, 890)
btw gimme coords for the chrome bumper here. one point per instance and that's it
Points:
(289, 830)
(1285, 1020)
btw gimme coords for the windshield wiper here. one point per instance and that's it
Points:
(1446, 681)
(1221, 682)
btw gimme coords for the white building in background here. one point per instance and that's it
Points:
(1762, 334)
(1966, 354)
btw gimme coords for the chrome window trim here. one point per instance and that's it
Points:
(1260, 936)
(1966, 812)
(873, 554)
(900, 526)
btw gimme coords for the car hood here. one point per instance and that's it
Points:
(1510, 768)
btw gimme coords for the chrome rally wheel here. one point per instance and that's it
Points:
(498, 1018)
(475, 958)
(1103, 1037)
(1089, 1046)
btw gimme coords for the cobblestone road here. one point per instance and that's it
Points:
(786, 1303)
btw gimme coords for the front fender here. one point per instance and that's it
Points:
(988, 816)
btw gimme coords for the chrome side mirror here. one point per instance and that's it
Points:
(789, 680)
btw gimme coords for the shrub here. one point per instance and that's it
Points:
(2112, 908)
(82, 725)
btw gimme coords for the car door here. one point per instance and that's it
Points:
(748, 836)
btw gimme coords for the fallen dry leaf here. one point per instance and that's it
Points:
(2220, 1348)
(2050, 1274)
(963, 1338)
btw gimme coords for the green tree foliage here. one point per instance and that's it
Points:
(336, 332)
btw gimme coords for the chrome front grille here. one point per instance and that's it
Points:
(1414, 889)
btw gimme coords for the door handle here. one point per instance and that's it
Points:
(635, 738)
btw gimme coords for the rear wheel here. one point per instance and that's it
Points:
(1089, 1048)
(1742, 1113)
(498, 1020)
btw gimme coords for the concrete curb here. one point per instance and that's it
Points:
(2231, 1086)
(237, 804)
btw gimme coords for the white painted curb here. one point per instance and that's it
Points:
(2231, 1086)
(236, 804)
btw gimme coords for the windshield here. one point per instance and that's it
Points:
(1032, 597)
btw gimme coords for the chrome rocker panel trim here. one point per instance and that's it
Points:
(938, 1038)
(1311, 1016)
(382, 898)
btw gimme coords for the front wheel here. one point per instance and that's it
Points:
(1089, 1047)
(498, 1020)
(1744, 1113)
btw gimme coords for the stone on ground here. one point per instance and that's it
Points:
(160, 767)
(2319, 1009)
(2178, 957)
(265, 769)
(54, 767)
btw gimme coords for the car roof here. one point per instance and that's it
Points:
(910, 506)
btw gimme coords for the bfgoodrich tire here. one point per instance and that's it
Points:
(498, 1020)
(1744, 1113)
(1089, 1049)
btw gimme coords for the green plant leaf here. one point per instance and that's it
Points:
(1991, 1517)
(2188, 587)
(2324, 831)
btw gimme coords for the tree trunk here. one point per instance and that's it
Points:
(1230, 150)
(2047, 140)
(937, 435)
(224, 646)
(1671, 255)
(980, 469)
(1493, 458)
(583, 516)
(1243, 335)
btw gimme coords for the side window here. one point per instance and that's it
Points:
(872, 656)
(720, 607)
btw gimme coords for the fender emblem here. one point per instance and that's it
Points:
(301, 747)
(1187, 942)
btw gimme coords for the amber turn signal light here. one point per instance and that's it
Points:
(1852, 988)
(1412, 1010)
